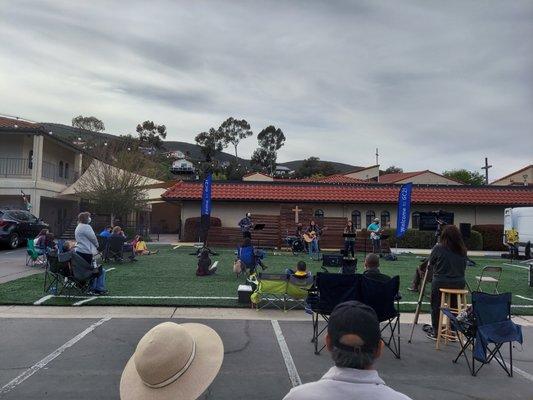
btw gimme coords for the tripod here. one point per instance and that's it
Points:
(419, 303)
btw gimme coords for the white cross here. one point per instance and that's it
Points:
(296, 213)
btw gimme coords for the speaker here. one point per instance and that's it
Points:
(465, 230)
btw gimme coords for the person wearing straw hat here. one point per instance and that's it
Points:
(172, 361)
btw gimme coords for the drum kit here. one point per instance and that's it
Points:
(296, 244)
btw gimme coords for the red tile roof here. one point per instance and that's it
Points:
(339, 178)
(13, 123)
(341, 193)
(398, 176)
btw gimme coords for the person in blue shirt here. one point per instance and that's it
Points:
(375, 236)
(106, 232)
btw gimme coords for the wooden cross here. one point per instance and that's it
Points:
(486, 168)
(297, 211)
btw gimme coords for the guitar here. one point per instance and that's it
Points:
(376, 234)
(310, 236)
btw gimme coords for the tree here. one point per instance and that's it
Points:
(264, 160)
(314, 167)
(270, 139)
(234, 131)
(467, 177)
(393, 170)
(88, 123)
(211, 143)
(151, 134)
(112, 190)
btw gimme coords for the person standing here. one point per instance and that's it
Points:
(375, 236)
(87, 248)
(246, 225)
(349, 242)
(354, 340)
(448, 261)
(313, 232)
(27, 204)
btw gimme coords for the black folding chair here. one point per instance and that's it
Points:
(329, 291)
(102, 246)
(492, 329)
(383, 296)
(55, 273)
(115, 248)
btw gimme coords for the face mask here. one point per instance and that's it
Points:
(89, 220)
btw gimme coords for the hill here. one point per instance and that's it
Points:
(340, 167)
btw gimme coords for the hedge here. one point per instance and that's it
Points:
(415, 239)
(192, 226)
(492, 236)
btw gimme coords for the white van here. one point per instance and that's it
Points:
(519, 220)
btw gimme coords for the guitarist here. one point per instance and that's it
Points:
(375, 236)
(312, 236)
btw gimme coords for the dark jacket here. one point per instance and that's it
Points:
(447, 265)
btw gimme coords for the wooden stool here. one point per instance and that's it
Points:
(446, 296)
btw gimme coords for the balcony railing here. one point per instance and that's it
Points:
(15, 167)
(56, 173)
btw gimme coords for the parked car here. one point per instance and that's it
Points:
(16, 226)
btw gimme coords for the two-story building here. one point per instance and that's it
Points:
(42, 166)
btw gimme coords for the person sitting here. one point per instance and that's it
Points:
(372, 269)
(301, 270)
(204, 264)
(419, 275)
(126, 247)
(354, 340)
(141, 249)
(44, 243)
(250, 257)
(106, 232)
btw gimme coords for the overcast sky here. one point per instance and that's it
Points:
(434, 84)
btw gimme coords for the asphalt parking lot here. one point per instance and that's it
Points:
(253, 364)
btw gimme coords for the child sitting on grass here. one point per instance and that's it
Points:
(204, 264)
(141, 249)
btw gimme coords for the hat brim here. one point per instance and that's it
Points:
(190, 385)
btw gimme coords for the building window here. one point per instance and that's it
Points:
(415, 220)
(319, 213)
(66, 171)
(385, 219)
(30, 159)
(370, 215)
(356, 219)
(60, 170)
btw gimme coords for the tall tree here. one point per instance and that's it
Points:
(151, 134)
(211, 143)
(314, 167)
(465, 176)
(270, 139)
(234, 131)
(393, 170)
(88, 123)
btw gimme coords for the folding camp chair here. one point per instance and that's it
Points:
(491, 330)
(33, 255)
(115, 248)
(297, 291)
(384, 298)
(102, 246)
(271, 290)
(329, 291)
(55, 274)
(489, 275)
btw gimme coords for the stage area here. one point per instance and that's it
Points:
(77, 358)
(168, 278)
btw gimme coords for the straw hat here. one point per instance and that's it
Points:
(172, 361)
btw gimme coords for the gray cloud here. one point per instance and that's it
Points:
(435, 85)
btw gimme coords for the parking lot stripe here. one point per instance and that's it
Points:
(50, 357)
(43, 299)
(289, 362)
(524, 374)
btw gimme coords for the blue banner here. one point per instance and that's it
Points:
(404, 209)
(206, 196)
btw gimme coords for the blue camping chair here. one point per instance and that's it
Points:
(384, 298)
(329, 291)
(491, 330)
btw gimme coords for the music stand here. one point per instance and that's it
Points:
(259, 227)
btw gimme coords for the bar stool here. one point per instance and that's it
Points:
(446, 296)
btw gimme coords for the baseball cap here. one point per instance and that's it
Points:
(354, 317)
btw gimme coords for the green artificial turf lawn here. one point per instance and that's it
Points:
(172, 273)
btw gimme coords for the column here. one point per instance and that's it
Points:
(37, 164)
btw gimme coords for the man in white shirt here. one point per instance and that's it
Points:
(354, 340)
